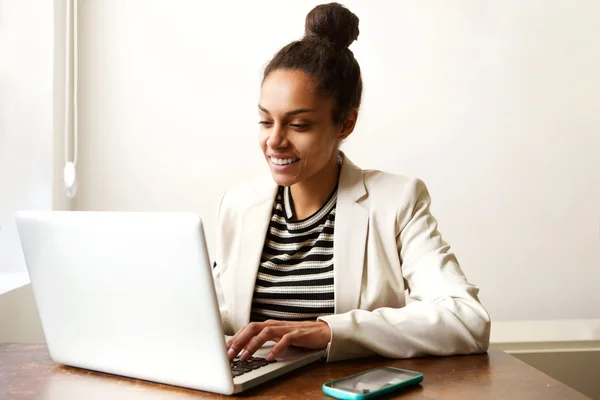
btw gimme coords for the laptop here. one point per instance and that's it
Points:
(131, 294)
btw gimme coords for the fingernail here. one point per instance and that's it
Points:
(231, 353)
(245, 355)
(270, 357)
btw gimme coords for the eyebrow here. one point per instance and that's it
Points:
(293, 112)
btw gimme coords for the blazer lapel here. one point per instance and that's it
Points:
(350, 237)
(254, 225)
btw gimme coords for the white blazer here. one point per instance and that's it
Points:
(385, 241)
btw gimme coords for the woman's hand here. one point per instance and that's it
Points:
(308, 334)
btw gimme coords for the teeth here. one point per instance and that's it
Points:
(283, 161)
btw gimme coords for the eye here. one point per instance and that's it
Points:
(265, 123)
(300, 126)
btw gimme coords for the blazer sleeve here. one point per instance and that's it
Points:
(218, 267)
(445, 317)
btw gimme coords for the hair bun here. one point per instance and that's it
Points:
(333, 23)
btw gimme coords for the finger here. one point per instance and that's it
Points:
(254, 344)
(233, 338)
(241, 339)
(257, 341)
(233, 348)
(286, 341)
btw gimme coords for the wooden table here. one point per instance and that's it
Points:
(26, 372)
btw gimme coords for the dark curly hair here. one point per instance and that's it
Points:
(323, 53)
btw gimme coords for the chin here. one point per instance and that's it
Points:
(283, 180)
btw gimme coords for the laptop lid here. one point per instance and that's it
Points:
(128, 294)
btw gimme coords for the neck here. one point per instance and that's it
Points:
(310, 194)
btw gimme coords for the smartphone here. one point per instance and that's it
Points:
(372, 383)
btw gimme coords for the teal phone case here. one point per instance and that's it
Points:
(342, 394)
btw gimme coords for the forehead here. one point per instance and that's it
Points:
(286, 90)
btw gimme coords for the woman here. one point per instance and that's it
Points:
(319, 255)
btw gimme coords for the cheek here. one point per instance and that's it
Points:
(322, 145)
(315, 152)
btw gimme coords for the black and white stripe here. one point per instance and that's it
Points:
(295, 277)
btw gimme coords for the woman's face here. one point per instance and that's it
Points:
(297, 134)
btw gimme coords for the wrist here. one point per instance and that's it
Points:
(327, 331)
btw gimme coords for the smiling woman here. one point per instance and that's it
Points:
(320, 254)
(298, 135)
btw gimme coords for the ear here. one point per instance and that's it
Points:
(349, 123)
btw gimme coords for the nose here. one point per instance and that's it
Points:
(277, 137)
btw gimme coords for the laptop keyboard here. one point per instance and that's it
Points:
(239, 367)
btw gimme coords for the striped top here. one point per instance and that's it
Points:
(295, 276)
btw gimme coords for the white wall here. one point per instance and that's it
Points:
(32, 50)
(26, 118)
(493, 103)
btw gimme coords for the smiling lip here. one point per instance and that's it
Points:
(281, 157)
(293, 159)
(282, 167)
